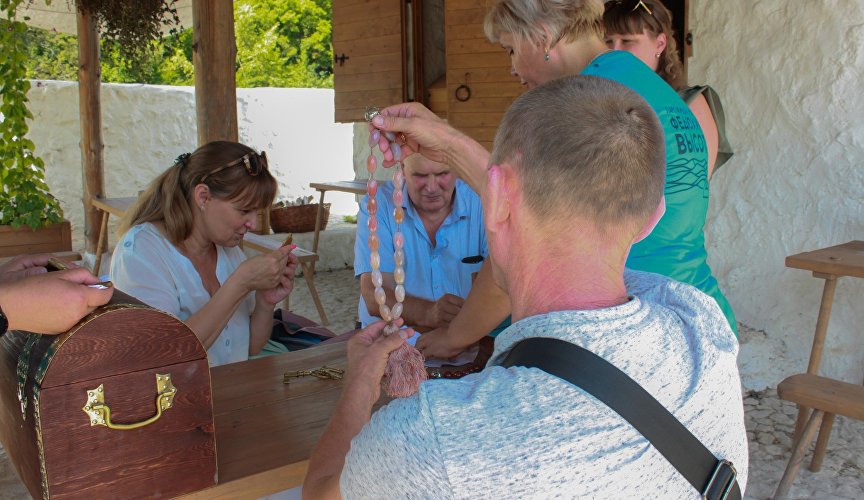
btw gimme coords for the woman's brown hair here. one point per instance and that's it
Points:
(168, 199)
(631, 18)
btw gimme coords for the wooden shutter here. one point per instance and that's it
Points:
(480, 65)
(369, 34)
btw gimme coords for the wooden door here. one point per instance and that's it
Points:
(476, 65)
(369, 67)
(679, 10)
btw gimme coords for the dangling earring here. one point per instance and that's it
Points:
(657, 55)
(546, 55)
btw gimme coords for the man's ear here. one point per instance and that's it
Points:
(652, 221)
(496, 206)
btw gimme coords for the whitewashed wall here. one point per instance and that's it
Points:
(145, 127)
(790, 74)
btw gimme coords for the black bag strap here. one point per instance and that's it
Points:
(714, 479)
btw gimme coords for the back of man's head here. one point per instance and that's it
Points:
(585, 147)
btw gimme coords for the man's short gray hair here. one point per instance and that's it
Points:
(585, 146)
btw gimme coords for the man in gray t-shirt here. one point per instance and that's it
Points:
(596, 166)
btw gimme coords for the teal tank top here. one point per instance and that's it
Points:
(676, 247)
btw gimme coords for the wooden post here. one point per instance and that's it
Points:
(214, 53)
(89, 83)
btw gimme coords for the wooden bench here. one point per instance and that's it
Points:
(357, 187)
(827, 397)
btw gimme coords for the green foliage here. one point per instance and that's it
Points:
(168, 62)
(284, 43)
(280, 43)
(24, 198)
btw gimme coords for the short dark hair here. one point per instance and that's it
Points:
(586, 146)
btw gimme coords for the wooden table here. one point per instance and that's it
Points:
(826, 396)
(306, 259)
(109, 207)
(356, 187)
(265, 429)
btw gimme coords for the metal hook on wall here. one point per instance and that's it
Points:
(463, 92)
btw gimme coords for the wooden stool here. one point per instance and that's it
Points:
(828, 264)
(357, 187)
(827, 397)
(108, 207)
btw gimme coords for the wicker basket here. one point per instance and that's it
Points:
(297, 219)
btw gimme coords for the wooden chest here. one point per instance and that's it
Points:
(120, 406)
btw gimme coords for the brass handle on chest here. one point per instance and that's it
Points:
(100, 413)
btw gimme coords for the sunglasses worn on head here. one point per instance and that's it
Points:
(253, 162)
(636, 5)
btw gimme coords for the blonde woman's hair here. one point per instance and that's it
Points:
(621, 19)
(168, 198)
(585, 146)
(530, 20)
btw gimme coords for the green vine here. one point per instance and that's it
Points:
(25, 198)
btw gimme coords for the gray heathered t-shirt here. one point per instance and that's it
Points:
(521, 433)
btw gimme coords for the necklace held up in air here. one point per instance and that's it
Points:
(405, 366)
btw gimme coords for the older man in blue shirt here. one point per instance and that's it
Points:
(445, 244)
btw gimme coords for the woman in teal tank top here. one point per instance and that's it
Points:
(547, 40)
(676, 247)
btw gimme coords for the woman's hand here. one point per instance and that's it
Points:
(266, 271)
(438, 344)
(273, 296)
(424, 132)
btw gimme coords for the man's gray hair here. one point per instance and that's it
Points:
(585, 146)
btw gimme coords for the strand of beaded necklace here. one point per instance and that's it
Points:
(405, 366)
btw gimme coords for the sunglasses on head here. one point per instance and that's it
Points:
(636, 5)
(253, 162)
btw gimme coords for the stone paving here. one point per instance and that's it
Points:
(769, 420)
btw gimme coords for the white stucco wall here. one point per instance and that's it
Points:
(790, 75)
(145, 127)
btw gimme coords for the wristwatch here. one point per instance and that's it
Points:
(4, 323)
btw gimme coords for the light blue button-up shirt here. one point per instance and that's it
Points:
(431, 271)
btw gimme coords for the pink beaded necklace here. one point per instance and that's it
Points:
(405, 366)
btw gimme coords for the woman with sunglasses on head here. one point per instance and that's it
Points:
(180, 252)
(644, 28)
(549, 39)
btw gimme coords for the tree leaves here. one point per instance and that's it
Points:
(280, 43)
(24, 198)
